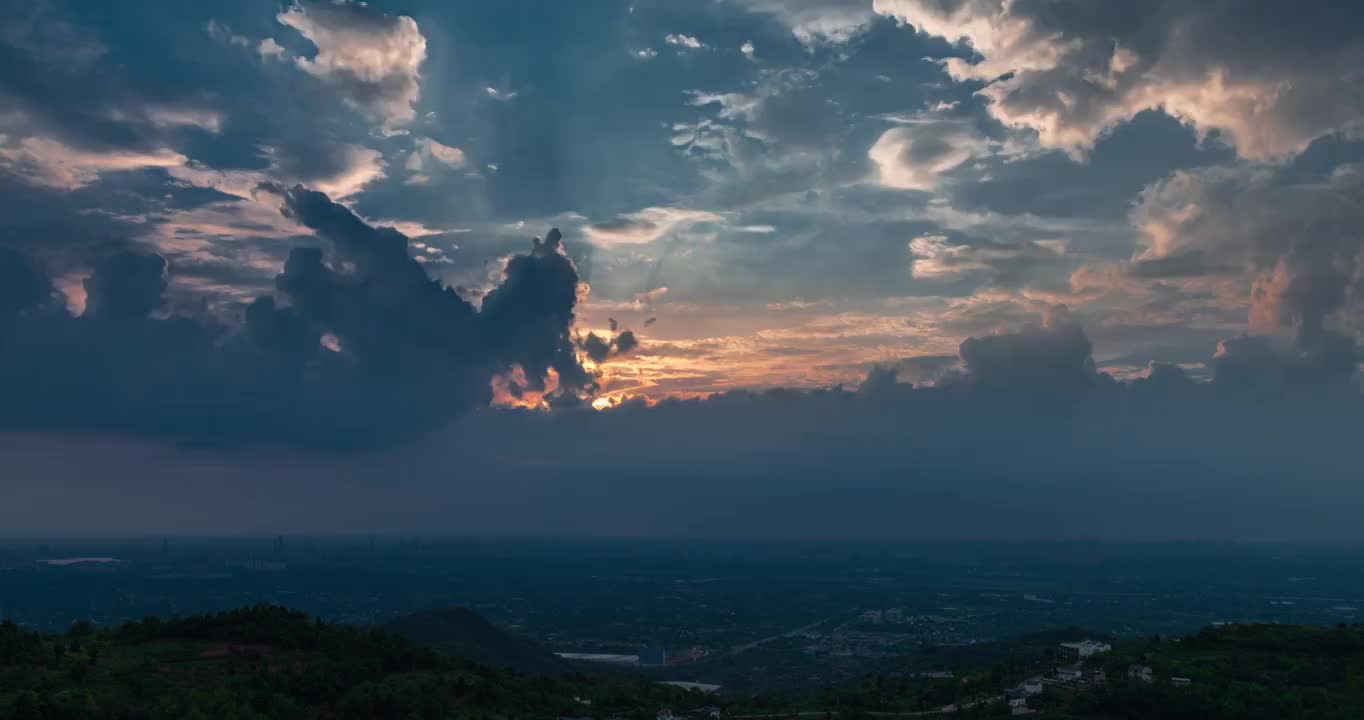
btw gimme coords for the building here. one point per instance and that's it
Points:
(1032, 686)
(1140, 672)
(1180, 681)
(653, 656)
(872, 616)
(1070, 673)
(1084, 648)
(895, 616)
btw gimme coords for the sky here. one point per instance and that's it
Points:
(894, 268)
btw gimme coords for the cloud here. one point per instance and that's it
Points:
(649, 297)
(1026, 422)
(938, 257)
(1293, 236)
(172, 117)
(373, 60)
(1188, 264)
(645, 226)
(427, 156)
(268, 48)
(684, 41)
(356, 346)
(224, 34)
(816, 22)
(1268, 80)
(600, 348)
(350, 168)
(915, 156)
(1261, 365)
(50, 163)
(339, 169)
(1049, 363)
(500, 95)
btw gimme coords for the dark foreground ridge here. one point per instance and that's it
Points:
(271, 662)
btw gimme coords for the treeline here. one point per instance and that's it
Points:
(273, 663)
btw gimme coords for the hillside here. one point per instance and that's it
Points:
(1236, 672)
(272, 663)
(1240, 672)
(464, 633)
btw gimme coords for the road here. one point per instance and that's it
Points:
(803, 628)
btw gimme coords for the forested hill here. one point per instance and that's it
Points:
(464, 633)
(269, 662)
(1236, 672)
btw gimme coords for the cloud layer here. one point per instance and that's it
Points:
(1268, 79)
(357, 346)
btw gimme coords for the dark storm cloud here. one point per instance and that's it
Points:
(527, 319)
(407, 352)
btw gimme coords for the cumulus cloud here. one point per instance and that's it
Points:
(1048, 362)
(373, 60)
(1294, 237)
(684, 41)
(645, 226)
(1268, 80)
(357, 345)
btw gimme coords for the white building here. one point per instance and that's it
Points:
(1084, 648)
(1032, 686)
(1139, 672)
